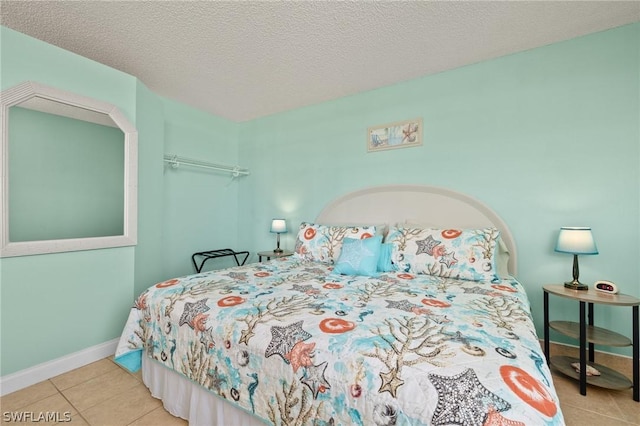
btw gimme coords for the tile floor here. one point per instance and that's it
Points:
(102, 393)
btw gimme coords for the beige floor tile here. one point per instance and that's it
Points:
(159, 416)
(19, 399)
(137, 375)
(622, 365)
(597, 400)
(578, 416)
(99, 389)
(82, 374)
(53, 404)
(122, 409)
(630, 409)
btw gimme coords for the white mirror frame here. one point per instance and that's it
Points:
(27, 90)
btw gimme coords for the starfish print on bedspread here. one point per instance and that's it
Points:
(191, 310)
(390, 382)
(283, 339)
(314, 378)
(496, 419)
(463, 400)
(403, 305)
(427, 245)
(448, 259)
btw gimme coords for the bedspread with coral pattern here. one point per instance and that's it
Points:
(293, 344)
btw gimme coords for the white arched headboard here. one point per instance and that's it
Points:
(427, 205)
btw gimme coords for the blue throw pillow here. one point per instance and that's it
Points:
(384, 261)
(359, 257)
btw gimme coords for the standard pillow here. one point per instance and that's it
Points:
(502, 256)
(468, 254)
(384, 261)
(322, 243)
(359, 257)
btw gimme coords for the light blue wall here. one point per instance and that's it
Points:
(185, 210)
(547, 137)
(149, 268)
(200, 206)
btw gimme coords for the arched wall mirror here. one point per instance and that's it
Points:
(69, 173)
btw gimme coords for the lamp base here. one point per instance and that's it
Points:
(277, 250)
(576, 285)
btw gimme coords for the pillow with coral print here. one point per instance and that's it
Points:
(322, 243)
(468, 254)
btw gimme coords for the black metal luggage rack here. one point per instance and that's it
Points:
(212, 254)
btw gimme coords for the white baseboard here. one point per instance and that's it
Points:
(38, 373)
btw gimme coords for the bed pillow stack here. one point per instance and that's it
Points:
(468, 254)
(366, 257)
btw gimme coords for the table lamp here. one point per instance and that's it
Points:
(576, 240)
(278, 226)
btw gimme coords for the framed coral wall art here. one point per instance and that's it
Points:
(401, 134)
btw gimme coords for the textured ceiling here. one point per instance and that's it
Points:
(243, 60)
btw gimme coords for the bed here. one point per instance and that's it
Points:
(399, 306)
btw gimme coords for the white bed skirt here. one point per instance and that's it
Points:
(186, 400)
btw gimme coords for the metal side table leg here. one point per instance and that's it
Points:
(546, 326)
(636, 355)
(583, 350)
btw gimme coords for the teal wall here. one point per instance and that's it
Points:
(149, 268)
(548, 138)
(66, 178)
(185, 210)
(200, 206)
